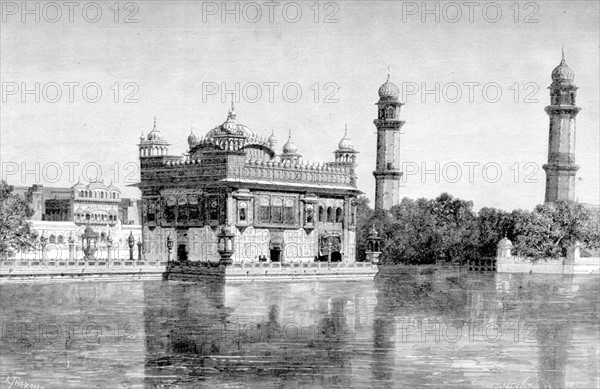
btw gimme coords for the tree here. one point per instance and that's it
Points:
(15, 231)
(552, 228)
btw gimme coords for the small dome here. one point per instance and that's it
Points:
(272, 139)
(290, 147)
(346, 143)
(97, 185)
(154, 134)
(563, 73)
(192, 139)
(505, 243)
(113, 188)
(389, 90)
(77, 186)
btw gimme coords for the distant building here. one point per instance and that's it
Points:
(278, 206)
(61, 214)
(561, 168)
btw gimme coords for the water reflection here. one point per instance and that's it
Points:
(405, 329)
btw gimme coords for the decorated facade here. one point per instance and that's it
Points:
(233, 194)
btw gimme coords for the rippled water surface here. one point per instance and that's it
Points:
(404, 329)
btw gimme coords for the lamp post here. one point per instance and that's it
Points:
(139, 245)
(89, 240)
(169, 248)
(109, 242)
(373, 246)
(225, 247)
(43, 243)
(131, 243)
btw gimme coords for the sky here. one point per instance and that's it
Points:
(474, 78)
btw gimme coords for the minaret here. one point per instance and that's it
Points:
(387, 173)
(561, 168)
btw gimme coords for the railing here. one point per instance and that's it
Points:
(301, 265)
(482, 264)
(98, 263)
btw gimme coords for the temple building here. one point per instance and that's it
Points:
(231, 180)
(62, 215)
(561, 168)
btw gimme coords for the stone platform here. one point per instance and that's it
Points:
(271, 271)
(79, 270)
(124, 270)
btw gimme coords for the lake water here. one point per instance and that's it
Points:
(404, 329)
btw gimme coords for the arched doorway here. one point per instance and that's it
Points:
(275, 246)
(182, 245)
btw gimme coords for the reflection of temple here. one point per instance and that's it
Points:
(221, 333)
(276, 205)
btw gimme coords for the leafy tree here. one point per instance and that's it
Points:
(552, 228)
(15, 230)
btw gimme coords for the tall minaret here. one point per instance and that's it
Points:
(561, 168)
(387, 173)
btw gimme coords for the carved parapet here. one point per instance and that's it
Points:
(301, 173)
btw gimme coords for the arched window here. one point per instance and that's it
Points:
(339, 215)
(52, 239)
(389, 113)
(321, 214)
(102, 237)
(61, 239)
(87, 216)
(329, 215)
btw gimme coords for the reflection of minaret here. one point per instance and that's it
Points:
(387, 172)
(384, 334)
(545, 316)
(561, 168)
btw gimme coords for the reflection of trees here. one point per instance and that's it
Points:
(416, 293)
(546, 304)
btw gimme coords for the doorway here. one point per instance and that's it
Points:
(182, 254)
(275, 255)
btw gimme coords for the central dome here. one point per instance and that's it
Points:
(231, 127)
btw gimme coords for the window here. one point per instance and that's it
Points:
(242, 211)
(264, 210)
(52, 239)
(309, 214)
(277, 209)
(321, 214)
(61, 240)
(289, 214)
(329, 215)
(339, 215)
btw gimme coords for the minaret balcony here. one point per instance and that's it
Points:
(388, 173)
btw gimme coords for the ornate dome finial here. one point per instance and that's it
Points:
(192, 139)
(563, 73)
(231, 109)
(290, 147)
(389, 90)
(154, 134)
(272, 139)
(346, 143)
